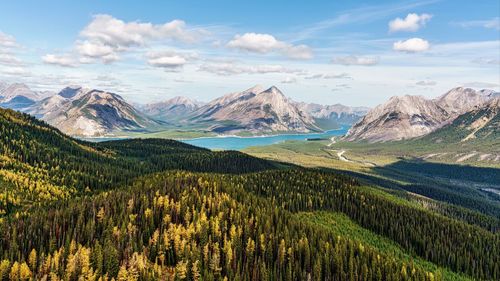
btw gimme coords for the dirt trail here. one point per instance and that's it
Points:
(341, 157)
(340, 154)
(333, 141)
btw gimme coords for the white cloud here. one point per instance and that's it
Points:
(289, 80)
(11, 64)
(412, 45)
(412, 22)
(337, 76)
(182, 80)
(169, 60)
(7, 40)
(95, 50)
(61, 60)
(9, 59)
(258, 43)
(226, 69)
(486, 61)
(314, 76)
(266, 43)
(7, 48)
(300, 52)
(115, 32)
(355, 60)
(105, 37)
(426, 83)
(493, 23)
(328, 76)
(476, 84)
(14, 71)
(340, 87)
(365, 14)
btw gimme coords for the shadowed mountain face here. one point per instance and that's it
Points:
(408, 117)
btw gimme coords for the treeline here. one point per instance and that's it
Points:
(184, 226)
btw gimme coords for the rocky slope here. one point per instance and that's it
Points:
(408, 117)
(480, 123)
(86, 112)
(256, 111)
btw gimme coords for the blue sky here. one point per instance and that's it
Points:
(350, 52)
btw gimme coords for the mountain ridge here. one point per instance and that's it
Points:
(407, 117)
(87, 112)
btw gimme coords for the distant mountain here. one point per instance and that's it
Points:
(406, 117)
(332, 116)
(18, 96)
(3, 85)
(86, 112)
(173, 109)
(255, 110)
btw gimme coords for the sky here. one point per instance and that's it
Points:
(357, 53)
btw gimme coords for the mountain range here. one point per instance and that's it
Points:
(85, 112)
(407, 117)
(79, 111)
(255, 110)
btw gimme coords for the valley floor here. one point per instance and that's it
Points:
(402, 167)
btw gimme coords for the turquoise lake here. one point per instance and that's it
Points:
(239, 143)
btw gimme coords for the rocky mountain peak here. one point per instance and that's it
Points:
(180, 100)
(70, 91)
(459, 100)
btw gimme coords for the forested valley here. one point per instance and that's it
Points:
(163, 210)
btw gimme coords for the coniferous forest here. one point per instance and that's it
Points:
(164, 210)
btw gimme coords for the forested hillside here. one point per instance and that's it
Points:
(163, 210)
(41, 164)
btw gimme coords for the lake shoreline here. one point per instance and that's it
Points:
(236, 142)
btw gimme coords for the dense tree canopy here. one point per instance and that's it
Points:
(164, 210)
